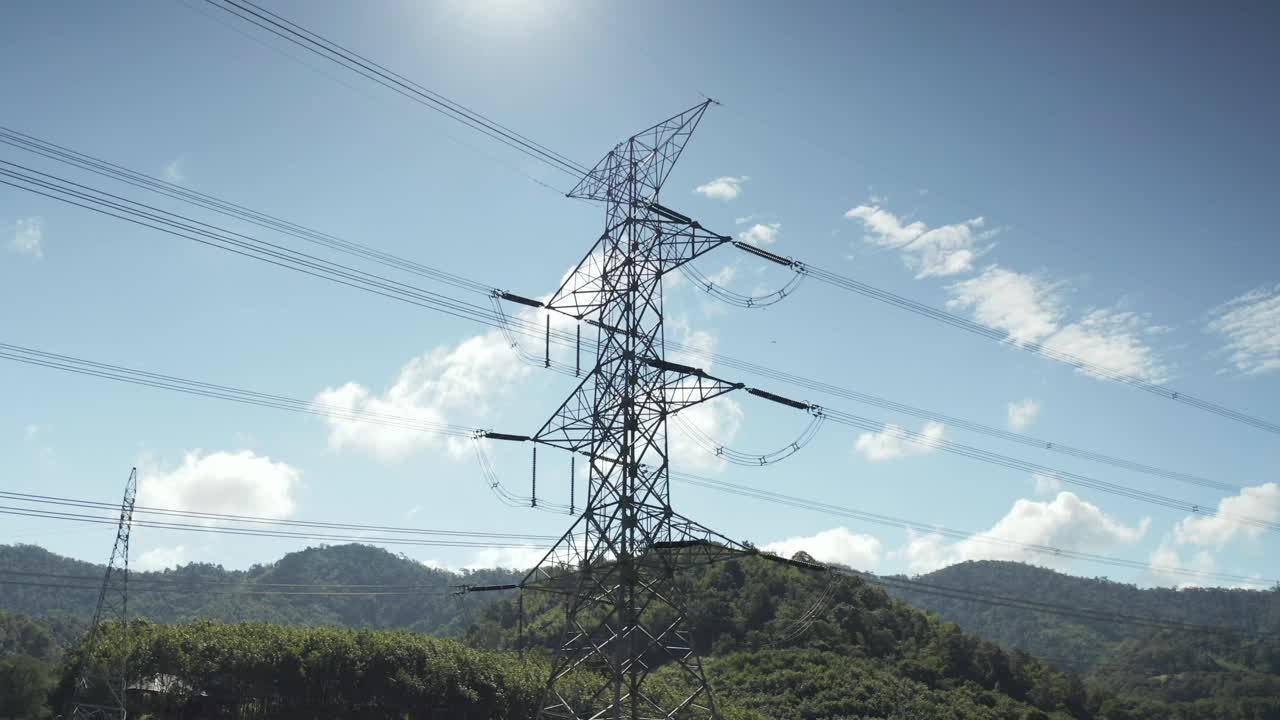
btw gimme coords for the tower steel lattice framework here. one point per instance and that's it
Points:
(616, 566)
(103, 675)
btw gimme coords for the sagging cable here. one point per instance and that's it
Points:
(746, 459)
(730, 297)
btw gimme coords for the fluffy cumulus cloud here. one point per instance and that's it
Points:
(1251, 326)
(1022, 413)
(27, 237)
(722, 188)
(1032, 309)
(161, 558)
(239, 483)
(434, 387)
(895, 442)
(761, 234)
(1234, 517)
(1064, 523)
(837, 545)
(929, 252)
(1168, 564)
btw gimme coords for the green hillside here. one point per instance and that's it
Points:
(1210, 675)
(778, 643)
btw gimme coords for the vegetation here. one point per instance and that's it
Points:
(211, 594)
(1206, 675)
(779, 643)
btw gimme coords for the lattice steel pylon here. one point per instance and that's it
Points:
(103, 676)
(616, 565)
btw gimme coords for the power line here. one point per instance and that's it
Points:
(336, 53)
(562, 339)
(314, 43)
(63, 154)
(1048, 551)
(224, 392)
(263, 533)
(1023, 465)
(259, 520)
(1061, 356)
(149, 579)
(206, 591)
(1080, 613)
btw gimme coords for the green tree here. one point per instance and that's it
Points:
(24, 688)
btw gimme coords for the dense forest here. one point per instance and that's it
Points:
(779, 643)
(170, 596)
(1210, 674)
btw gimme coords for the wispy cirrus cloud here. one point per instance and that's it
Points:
(929, 252)
(1031, 308)
(1250, 324)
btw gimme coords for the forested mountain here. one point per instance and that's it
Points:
(37, 584)
(1236, 674)
(779, 642)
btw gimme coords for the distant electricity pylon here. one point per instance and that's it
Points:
(616, 566)
(102, 677)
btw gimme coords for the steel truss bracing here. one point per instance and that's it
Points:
(617, 566)
(102, 678)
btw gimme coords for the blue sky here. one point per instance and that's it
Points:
(1092, 177)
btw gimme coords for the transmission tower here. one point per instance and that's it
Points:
(616, 566)
(102, 677)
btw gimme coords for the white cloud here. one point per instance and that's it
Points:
(240, 483)
(28, 237)
(837, 545)
(761, 234)
(1032, 310)
(892, 443)
(161, 558)
(1112, 340)
(1259, 502)
(724, 275)
(930, 252)
(1251, 325)
(1065, 523)
(518, 558)
(719, 419)
(1022, 413)
(1167, 563)
(434, 387)
(1025, 306)
(174, 172)
(1046, 484)
(722, 188)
